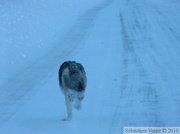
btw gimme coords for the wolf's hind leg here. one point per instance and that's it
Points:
(77, 104)
(78, 99)
(69, 101)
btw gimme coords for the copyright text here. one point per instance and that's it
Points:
(151, 130)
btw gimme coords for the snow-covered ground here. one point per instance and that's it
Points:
(129, 48)
(29, 29)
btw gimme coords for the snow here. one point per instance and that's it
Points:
(30, 29)
(130, 51)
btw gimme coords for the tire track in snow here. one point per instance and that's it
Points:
(138, 102)
(148, 37)
(23, 85)
(138, 91)
(166, 60)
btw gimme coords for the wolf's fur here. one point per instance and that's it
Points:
(72, 80)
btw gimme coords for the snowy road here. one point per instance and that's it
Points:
(131, 52)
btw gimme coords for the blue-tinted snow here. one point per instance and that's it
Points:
(129, 48)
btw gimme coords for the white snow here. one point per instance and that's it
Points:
(130, 50)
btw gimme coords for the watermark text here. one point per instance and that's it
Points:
(151, 130)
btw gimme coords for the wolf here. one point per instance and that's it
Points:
(72, 81)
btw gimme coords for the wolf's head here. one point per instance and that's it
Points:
(73, 67)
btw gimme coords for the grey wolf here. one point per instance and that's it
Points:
(73, 81)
